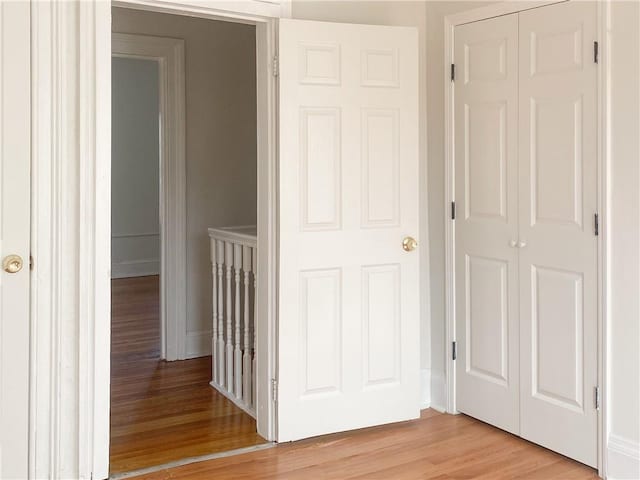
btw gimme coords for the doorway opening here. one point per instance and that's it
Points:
(184, 165)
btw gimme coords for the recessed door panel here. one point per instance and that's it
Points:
(486, 182)
(487, 322)
(320, 168)
(485, 153)
(321, 331)
(381, 320)
(557, 326)
(380, 168)
(558, 283)
(556, 160)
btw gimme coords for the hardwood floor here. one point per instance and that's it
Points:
(162, 411)
(438, 446)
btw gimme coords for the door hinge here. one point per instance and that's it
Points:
(596, 224)
(453, 210)
(453, 72)
(454, 350)
(274, 389)
(275, 66)
(30, 262)
(596, 397)
(595, 52)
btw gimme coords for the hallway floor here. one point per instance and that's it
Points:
(162, 411)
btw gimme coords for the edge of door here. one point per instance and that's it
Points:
(75, 301)
(483, 13)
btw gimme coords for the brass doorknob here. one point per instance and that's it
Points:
(409, 244)
(12, 263)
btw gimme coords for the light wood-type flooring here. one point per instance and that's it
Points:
(437, 447)
(162, 411)
(166, 411)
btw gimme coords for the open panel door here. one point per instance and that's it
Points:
(348, 331)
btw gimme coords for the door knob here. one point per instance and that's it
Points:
(409, 244)
(12, 263)
(522, 244)
(513, 244)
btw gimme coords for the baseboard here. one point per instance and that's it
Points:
(198, 344)
(623, 458)
(425, 388)
(135, 268)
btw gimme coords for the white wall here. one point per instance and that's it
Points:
(398, 13)
(220, 140)
(623, 57)
(135, 240)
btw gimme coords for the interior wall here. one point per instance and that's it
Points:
(623, 256)
(135, 238)
(394, 13)
(220, 74)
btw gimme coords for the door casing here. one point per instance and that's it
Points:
(71, 198)
(483, 13)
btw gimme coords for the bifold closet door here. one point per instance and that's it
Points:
(486, 181)
(558, 263)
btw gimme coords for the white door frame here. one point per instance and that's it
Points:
(168, 53)
(71, 224)
(483, 13)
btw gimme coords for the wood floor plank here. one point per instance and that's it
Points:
(435, 447)
(162, 411)
(166, 411)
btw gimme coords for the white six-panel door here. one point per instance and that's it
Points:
(486, 166)
(558, 201)
(526, 249)
(348, 335)
(15, 141)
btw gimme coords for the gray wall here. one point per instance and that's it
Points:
(135, 241)
(220, 140)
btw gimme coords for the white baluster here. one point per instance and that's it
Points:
(220, 349)
(229, 333)
(214, 308)
(254, 373)
(246, 358)
(237, 358)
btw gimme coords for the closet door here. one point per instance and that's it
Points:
(558, 303)
(486, 180)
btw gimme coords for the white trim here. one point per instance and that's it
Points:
(483, 13)
(135, 268)
(71, 57)
(169, 54)
(250, 12)
(623, 458)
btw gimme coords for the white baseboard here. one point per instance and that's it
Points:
(198, 344)
(425, 388)
(623, 458)
(135, 268)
